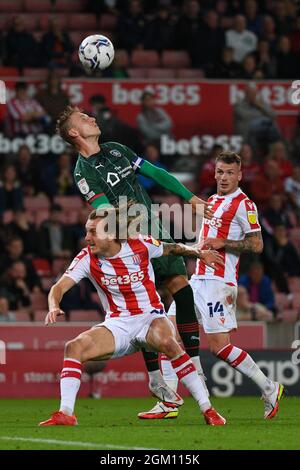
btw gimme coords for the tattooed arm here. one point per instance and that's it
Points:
(252, 243)
(209, 257)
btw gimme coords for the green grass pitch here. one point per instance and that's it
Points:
(112, 424)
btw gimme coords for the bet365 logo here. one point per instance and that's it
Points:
(295, 95)
(2, 352)
(2, 92)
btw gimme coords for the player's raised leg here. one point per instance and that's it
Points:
(92, 344)
(161, 337)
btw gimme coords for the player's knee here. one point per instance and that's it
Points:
(169, 346)
(74, 348)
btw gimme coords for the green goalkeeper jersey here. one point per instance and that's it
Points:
(106, 176)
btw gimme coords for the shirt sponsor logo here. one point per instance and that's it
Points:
(83, 186)
(112, 178)
(122, 280)
(115, 153)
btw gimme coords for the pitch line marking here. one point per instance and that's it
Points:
(74, 443)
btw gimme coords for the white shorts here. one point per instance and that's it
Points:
(130, 332)
(215, 305)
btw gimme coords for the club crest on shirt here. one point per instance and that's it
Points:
(115, 153)
(83, 186)
(136, 259)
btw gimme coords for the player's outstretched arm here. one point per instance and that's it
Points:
(209, 257)
(54, 298)
(252, 243)
(169, 182)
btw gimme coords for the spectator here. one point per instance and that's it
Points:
(152, 155)
(258, 286)
(15, 286)
(188, 27)
(207, 181)
(21, 47)
(278, 153)
(6, 315)
(283, 21)
(253, 19)
(292, 189)
(53, 99)
(227, 67)
(249, 67)
(14, 252)
(132, 26)
(248, 311)
(274, 214)
(28, 171)
(210, 33)
(25, 114)
(294, 37)
(250, 168)
(240, 39)
(55, 238)
(287, 61)
(268, 32)
(254, 120)
(11, 195)
(265, 184)
(21, 228)
(56, 46)
(160, 32)
(78, 231)
(281, 255)
(152, 122)
(264, 60)
(112, 128)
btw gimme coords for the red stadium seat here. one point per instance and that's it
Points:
(69, 5)
(47, 282)
(40, 315)
(59, 265)
(38, 301)
(9, 72)
(161, 73)
(38, 5)
(61, 18)
(22, 315)
(5, 20)
(11, 5)
(138, 73)
(107, 22)
(121, 58)
(69, 202)
(290, 316)
(190, 73)
(294, 284)
(36, 73)
(145, 59)
(85, 315)
(175, 59)
(36, 202)
(296, 300)
(31, 21)
(42, 266)
(83, 21)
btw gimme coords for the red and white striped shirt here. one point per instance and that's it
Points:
(17, 109)
(235, 215)
(125, 282)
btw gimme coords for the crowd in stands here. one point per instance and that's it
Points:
(247, 39)
(42, 214)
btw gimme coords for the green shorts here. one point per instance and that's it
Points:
(167, 266)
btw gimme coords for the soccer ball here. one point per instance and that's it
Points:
(96, 52)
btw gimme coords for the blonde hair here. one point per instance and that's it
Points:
(63, 123)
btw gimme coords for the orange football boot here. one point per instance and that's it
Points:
(58, 418)
(213, 418)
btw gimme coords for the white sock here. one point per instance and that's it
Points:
(243, 362)
(197, 364)
(169, 374)
(69, 385)
(155, 377)
(188, 375)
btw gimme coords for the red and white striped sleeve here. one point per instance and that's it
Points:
(248, 216)
(154, 247)
(80, 267)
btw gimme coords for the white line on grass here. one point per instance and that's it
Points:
(94, 445)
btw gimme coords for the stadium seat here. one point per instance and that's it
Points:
(47, 282)
(22, 315)
(121, 58)
(38, 5)
(5, 20)
(107, 22)
(138, 73)
(145, 59)
(38, 301)
(290, 315)
(40, 315)
(42, 266)
(294, 284)
(69, 5)
(11, 5)
(175, 59)
(9, 72)
(59, 265)
(31, 21)
(85, 315)
(68, 202)
(36, 73)
(190, 73)
(62, 18)
(296, 300)
(36, 202)
(81, 21)
(161, 73)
